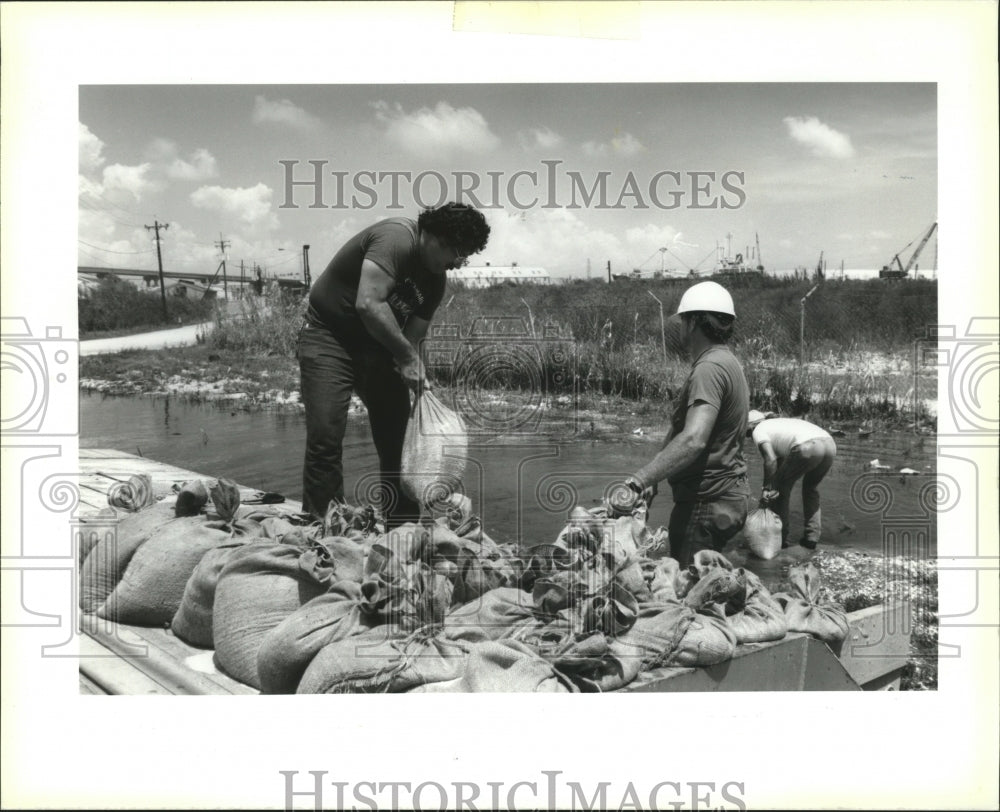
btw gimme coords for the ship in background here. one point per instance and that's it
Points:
(744, 264)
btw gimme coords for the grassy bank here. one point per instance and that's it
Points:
(115, 307)
(865, 377)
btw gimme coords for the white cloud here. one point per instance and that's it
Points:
(624, 145)
(283, 112)
(785, 243)
(252, 206)
(822, 140)
(91, 148)
(878, 234)
(429, 132)
(200, 167)
(537, 138)
(132, 180)
(555, 239)
(165, 157)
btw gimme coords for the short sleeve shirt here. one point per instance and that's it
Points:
(716, 378)
(784, 433)
(394, 246)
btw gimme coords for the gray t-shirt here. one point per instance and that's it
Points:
(716, 378)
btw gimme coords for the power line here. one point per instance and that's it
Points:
(89, 206)
(112, 251)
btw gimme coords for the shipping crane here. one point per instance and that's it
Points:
(901, 272)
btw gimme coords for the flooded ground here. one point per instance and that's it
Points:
(522, 490)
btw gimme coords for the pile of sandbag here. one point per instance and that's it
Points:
(343, 606)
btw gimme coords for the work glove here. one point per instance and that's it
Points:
(768, 495)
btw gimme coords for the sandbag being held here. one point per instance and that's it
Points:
(762, 532)
(434, 451)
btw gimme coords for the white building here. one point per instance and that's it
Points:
(484, 276)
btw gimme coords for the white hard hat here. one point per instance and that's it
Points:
(708, 296)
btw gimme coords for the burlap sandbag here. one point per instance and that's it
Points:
(672, 634)
(596, 663)
(827, 621)
(106, 562)
(152, 588)
(193, 621)
(383, 660)
(495, 615)
(509, 666)
(760, 618)
(434, 451)
(289, 647)
(253, 595)
(762, 532)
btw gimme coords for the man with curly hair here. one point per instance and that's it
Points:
(367, 313)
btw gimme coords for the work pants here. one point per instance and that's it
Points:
(331, 369)
(809, 461)
(707, 525)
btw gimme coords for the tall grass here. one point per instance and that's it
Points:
(616, 347)
(118, 305)
(266, 326)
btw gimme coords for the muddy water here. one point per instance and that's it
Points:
(523, 490)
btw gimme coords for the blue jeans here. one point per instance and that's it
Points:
(331, 369)
(707, 525)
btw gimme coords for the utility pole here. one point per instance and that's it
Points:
(609, 271)
(159, 261)
(223, 245)
(242, 281)
(305, 267)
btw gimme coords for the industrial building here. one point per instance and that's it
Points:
(485, 276)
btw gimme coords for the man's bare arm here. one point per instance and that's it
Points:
(682, 450)
(373, 309)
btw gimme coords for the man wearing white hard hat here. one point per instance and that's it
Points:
(702, 455)
(793, 449)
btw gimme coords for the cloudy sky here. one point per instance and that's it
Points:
(848, 169)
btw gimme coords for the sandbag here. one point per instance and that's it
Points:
(289, 647)
(434, 451)
(107, 560)
(672, 634)
(253, 595)
(760, 618)
(509, 666)
(762, 532)
(597, 663)
(497, 614)
(826, 621)
(193, 621)
(152, 588)
(383, 660)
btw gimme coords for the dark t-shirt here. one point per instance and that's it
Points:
(394, 246)
(716, 378)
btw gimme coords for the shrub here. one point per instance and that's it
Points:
(119, 305)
